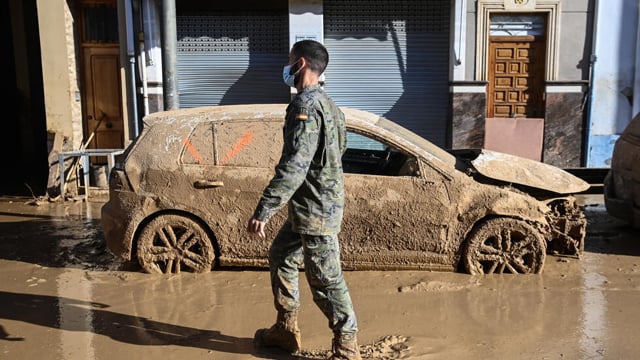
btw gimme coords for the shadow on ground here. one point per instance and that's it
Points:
(608, 235)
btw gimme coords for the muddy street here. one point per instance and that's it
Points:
(63, 296)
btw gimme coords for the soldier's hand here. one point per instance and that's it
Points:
(255, 227)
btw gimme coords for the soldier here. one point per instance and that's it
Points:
(310, 180)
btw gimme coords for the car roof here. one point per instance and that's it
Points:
(359, 120)
(633, 128)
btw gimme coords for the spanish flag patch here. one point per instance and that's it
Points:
(302, 113)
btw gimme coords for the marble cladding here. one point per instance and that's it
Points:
(156, 103)
(468, 114)
(563, 130)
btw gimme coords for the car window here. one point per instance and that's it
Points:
(198, 147)
(357, 141)
(248, 143)
(366, 155)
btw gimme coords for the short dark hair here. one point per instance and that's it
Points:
(314, 52)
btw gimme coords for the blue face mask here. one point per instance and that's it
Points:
(288, 77)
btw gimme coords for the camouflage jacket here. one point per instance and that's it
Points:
(309, 174)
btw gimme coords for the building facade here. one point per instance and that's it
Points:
(519, 76)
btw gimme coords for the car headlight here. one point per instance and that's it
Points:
(118, 180)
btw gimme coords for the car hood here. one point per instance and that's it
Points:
(519, 170)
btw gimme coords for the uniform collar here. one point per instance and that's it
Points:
(311, 87)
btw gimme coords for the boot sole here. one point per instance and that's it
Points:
(291, 345)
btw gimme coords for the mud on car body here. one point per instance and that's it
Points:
(622, 183)
(182, 191)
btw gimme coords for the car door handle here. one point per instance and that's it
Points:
(205, 184)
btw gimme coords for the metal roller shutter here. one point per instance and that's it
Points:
(232, 59)
(391, 57)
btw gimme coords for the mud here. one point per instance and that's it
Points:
(622, 184)
(210, 165)
(63, 296)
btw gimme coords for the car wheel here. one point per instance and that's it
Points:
(171, 243)
(505, 245)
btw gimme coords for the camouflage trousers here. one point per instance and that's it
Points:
(321, 257)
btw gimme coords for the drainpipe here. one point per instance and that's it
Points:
(143, 74)
(131, 57)
(169, 40)
(592, 64)
(143, 61)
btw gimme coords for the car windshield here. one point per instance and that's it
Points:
(417, 140)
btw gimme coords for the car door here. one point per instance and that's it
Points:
(243, 156)
(397, 208)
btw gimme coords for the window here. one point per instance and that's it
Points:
(368, 156)
(100, 22)
(255, 144)
(198, 147)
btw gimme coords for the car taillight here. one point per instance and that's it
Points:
(118, 180)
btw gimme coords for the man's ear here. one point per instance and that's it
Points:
(303, 62)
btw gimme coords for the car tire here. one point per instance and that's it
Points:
(172, 243)
(504, 245)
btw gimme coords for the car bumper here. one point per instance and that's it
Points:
(619, 208)
(623, 210)
(568, 227)
(118, 226)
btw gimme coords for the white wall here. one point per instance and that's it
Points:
(152, 41)
(575, 40)
(305, 21)
(614, 77)
(458, 41)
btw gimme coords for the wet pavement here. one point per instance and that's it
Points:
(63, 296)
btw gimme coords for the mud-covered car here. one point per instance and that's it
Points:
(182, 192)
(622, 183)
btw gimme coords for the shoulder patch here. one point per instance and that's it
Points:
(302, 114)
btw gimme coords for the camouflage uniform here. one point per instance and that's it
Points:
(309, 178)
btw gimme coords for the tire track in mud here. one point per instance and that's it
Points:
(435, 286)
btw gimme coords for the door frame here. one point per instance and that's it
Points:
(487, 8)
(85, 42)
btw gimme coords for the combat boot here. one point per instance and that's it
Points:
(284, 334)
(345, 347)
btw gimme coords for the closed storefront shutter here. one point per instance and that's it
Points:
(232, 58)
(391, 57)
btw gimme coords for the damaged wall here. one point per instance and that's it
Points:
(60, 81)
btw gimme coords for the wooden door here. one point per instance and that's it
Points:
(516, 77)
(103, 97)
(102, 103)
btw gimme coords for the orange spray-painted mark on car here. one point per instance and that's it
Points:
(246, 138)
(193, 151)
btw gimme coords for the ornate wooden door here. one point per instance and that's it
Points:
(516, 76)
